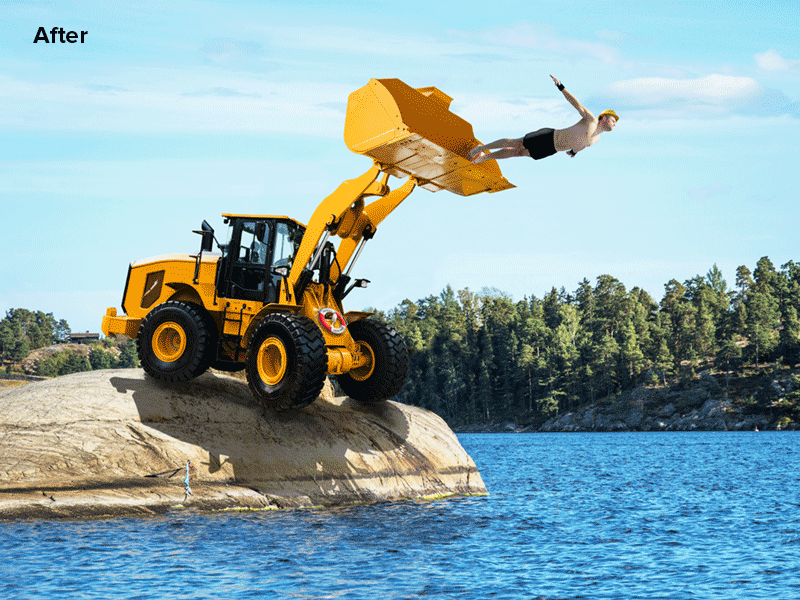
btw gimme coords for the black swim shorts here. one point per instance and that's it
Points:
(540, 144)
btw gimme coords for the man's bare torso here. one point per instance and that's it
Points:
(581, 135)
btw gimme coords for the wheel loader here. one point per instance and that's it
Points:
(270, 300)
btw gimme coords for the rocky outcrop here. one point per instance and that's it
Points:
(117, 442)
(701, 408)
(714, 415)
(29, 364)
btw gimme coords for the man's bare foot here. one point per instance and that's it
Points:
(472, 154)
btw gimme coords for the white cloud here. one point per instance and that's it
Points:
(174, 101)
(713, 88)
(709, 96)
(539, 37)
(772, 61)
(503, 116)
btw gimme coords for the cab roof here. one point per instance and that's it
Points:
(247, 216)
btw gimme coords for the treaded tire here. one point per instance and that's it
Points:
(385, 377)
(175, 342)
(287, 361)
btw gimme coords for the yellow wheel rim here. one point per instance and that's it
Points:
(271, 361)
(363, 372)
(169, 342)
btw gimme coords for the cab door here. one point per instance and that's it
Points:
(249, 256)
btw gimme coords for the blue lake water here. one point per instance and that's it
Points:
(624, 515)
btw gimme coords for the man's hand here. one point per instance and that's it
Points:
(584, 112)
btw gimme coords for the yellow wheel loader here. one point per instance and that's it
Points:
(270, 301)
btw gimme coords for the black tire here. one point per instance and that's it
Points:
(287, 361)
(175, 342)
(384, 375)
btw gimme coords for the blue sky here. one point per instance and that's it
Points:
(171, 113)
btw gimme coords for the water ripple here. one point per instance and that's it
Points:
(651, 516)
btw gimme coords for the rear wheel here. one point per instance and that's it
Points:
(286, 361)
(383, 374)
(174, 342)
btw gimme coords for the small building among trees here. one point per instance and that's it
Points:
(84, 338)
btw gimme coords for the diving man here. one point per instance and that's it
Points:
(546, 141)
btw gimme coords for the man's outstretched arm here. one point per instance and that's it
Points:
(582, 110)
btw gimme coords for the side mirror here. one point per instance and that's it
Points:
(207, 243)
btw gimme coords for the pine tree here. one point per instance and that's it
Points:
(565, 353)
(611, 306)
(729, 357)
(128, 357)
(631, 356)
(100, 359)
(762, 312)
(665, 362)
(643, 313)
(47, 367)
(744, 281)
(680, 323)
(607, 359)
(790, 334)
(73, 362)
(484, 380)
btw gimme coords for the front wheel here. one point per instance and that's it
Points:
(383, 374)
(175, 342)
(286, 361)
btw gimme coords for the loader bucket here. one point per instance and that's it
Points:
(412, 132)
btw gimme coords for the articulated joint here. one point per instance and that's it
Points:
(341, 361)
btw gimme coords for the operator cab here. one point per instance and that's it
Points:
(260, 251)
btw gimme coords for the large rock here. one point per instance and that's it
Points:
(117, 442)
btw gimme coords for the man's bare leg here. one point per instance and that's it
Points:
(498, 154)
(506, 148)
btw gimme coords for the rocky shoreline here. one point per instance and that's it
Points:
(702, 407)
(116, 442)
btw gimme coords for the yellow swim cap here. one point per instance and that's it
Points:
(608, 112)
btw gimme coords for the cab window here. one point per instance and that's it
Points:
(287, 241)
(254, 242)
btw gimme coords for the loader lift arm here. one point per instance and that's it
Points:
(343, 213)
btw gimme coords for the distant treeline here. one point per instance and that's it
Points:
(22, 331)
(481, 357)
(478, 358)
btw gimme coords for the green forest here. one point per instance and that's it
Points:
(23, 331)
(482, 357)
